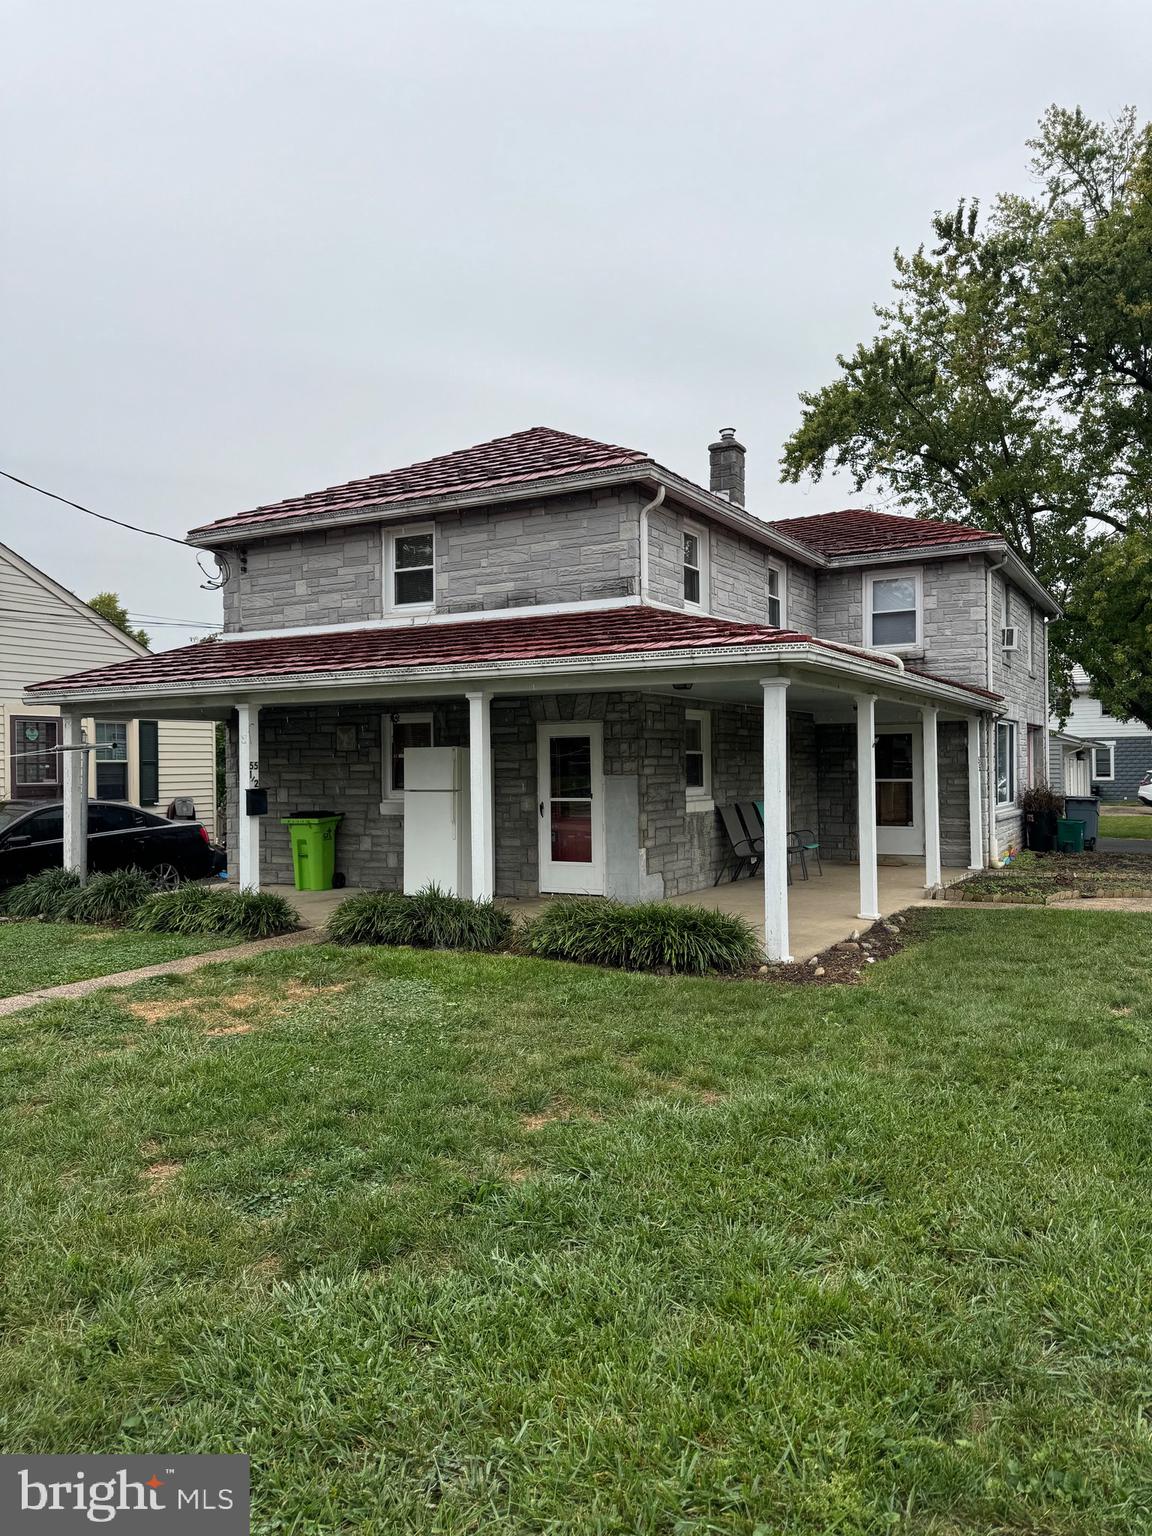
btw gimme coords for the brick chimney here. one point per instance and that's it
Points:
(726, 465)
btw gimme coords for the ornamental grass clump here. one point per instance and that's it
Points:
(109, 899)
(232, 914)
(651, 936)
(430, 919)
(43, 895)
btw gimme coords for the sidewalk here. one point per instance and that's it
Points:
(69, 990)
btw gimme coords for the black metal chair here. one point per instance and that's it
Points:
(803, 841)
(745, 850)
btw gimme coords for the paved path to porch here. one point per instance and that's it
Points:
(69, 990)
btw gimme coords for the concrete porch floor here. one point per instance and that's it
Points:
(822, 910)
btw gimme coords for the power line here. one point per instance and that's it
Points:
(159, 618)
(132, 528)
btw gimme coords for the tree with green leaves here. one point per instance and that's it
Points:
(109, 606)
(1009, 385)
(1111, 610)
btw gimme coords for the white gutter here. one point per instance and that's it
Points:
(990, 571)
(649, 506)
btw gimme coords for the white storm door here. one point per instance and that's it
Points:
(570, 812)
(899, 789)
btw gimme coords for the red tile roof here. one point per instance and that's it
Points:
(537, 454)
(477, 642)
(864, 533)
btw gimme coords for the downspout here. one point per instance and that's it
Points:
(989, 729)
(650, 506)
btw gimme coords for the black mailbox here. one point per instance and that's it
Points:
(256, 802)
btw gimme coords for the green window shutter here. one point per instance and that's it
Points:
(149, 762)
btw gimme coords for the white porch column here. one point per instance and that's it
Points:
(248, 777)
(932, 876)
(866, 806)
(775, 865)
(75, 796)
(480, 771)
(975, 797)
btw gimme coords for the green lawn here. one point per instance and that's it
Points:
(1126, 826)
(34, 955)
(453, 1244)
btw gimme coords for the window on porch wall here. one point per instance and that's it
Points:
(400, 732)
(1005, 762)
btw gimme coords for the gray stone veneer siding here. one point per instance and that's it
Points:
(569, 549)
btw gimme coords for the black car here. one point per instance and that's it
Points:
(119, 837)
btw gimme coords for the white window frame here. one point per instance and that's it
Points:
(1013, 764)
(700, 534)
(781, 574)
(1109, 777)
(699, 796)
(392, 800)
(390, 537)
(886, 573)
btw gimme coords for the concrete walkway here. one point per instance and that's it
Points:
(73, 989)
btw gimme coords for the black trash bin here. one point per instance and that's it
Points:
(1085, 808)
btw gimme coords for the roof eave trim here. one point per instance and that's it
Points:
(644, 471)
(908, 554)
(810, 653)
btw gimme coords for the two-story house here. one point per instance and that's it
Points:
(620, 651)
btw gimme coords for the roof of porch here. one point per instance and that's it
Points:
(476, 646)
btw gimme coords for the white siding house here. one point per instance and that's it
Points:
(1122, 749)
(45, 630)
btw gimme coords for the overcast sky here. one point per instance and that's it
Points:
(251, 248)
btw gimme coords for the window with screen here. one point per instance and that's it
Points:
(36, 765)
(894, 610)
(412, 568)
(111, 759)
(400, 732)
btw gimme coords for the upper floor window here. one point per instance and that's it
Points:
(410, 574)
(695, 568)
(776, 596)
(893, 604)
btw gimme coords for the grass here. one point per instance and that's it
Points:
(34, 955)
(1126, 826)
(456, 1243)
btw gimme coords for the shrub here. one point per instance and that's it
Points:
(430, 919)
(184, 910)
(254, 914)
(43, 895)
(650, 936)
(201, 909)
(107, 898)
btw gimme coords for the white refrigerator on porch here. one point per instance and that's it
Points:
(437, 820)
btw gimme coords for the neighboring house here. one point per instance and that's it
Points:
(1120, 754)
(622, 652)
(45, 629)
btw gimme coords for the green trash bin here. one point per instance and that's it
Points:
(313, 838)
(1069, 835)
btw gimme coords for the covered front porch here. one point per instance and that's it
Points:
(604, 774)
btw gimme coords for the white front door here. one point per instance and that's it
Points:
(899, 789)
(570, 766)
